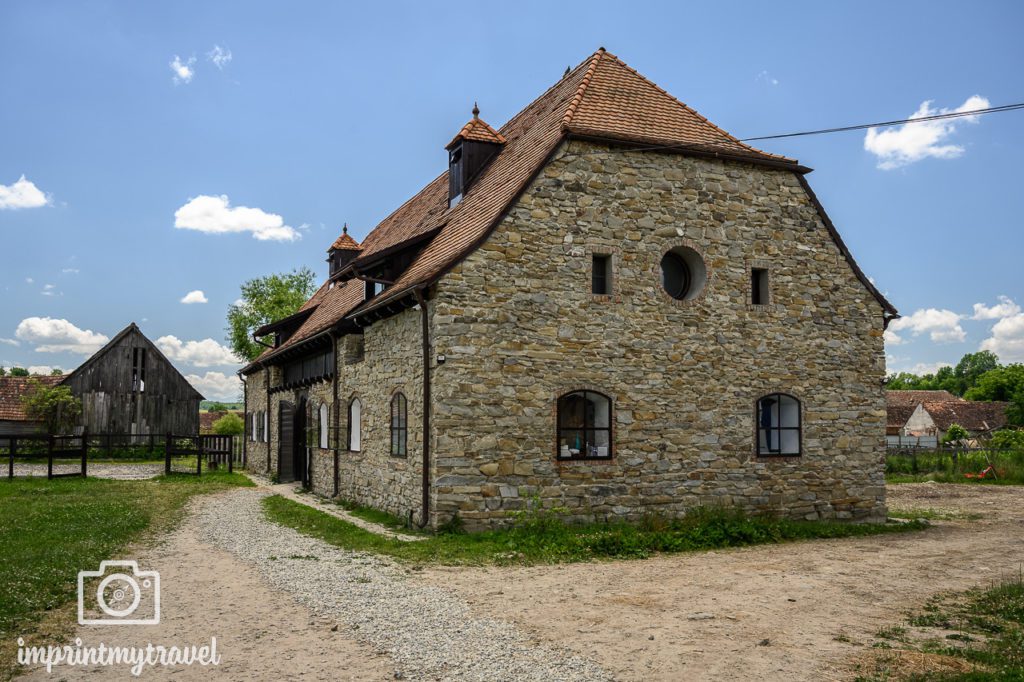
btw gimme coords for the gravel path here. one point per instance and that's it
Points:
(122, 472)
(428, 632)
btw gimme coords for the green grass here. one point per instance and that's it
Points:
(942, 467)
(377, 516)
(541, 538)
(53, 529)
(933, 515)
(988, 625)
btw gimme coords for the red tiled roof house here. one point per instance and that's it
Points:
(608, 302)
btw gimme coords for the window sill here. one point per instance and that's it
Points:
(774, 458)
(566, 460)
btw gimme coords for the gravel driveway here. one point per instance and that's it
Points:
(428, 632)
(122, 472)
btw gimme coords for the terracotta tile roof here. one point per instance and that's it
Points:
(915, 397)
(975, 416)
(345, 242)
(477, 130)
(601, 98)
(11, 391)
(898, 413)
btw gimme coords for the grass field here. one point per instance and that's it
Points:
(544, 539)
(53, 529)
(956, 637)
(949, 467)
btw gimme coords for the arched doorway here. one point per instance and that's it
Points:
(299, 453)
(286, 442)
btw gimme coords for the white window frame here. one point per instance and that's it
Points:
(355, 425)
(324, 414)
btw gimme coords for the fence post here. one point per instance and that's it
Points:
(150, 443)
(13, 442)
(85, 451)
(231, 454)
(49, 457)
(167, 455)
(199, 456)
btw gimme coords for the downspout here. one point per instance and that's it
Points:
(266, 375)
(334, 409)
(245, 417)
(425, 515)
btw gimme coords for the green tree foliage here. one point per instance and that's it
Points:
(3, 372)
(971, 367)
(229, 425)
(54, 406)
(1007, 440)
(19, 372)
(264, 300)
(955, 433)
(217, 407)
(1003, 383)
(58, 372)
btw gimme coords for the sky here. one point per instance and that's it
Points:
(153, 156)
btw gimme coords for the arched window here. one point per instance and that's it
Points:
(399, 425)
(355, 425)
(584, 426)
(324, 426)
(778, 426)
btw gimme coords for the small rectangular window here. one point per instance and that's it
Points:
(759, 286)
(601, 276)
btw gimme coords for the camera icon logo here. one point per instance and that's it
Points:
(118, 594)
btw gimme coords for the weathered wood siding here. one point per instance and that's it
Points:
(125, 391)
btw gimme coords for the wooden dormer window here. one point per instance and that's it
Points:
(455, 172)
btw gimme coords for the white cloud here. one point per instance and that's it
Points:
(29, 280)
(1005, 308)
(1007, 340)
(220, 56)
(942, 326)
(10, 342)
(215, 215)
(183, 71)
(922, 368)
(196, 296)
(205, 353)
(767, 78)
(50, 290)
(910, 142)
(43, 370)
(22, 194)
(892, 338)
(70, 271)
(59, 336)
(217, 385)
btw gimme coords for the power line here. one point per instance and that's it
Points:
(824, 131)
(885, 124)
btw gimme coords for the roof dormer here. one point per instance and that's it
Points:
(342, 251)
(468, 153)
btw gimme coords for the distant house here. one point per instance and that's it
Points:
(13, 418)
(129, 387)
(924, 417)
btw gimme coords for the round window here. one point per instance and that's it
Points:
(683, 274)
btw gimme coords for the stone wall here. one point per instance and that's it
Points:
(519, 326)
(256, 401)
(374, 366)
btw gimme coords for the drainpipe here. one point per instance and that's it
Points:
(245, 417)
(334, 408)
(425, 516)
(269, 421)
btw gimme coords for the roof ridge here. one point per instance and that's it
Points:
(595, 59)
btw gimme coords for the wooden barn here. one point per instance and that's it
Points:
(129, 387)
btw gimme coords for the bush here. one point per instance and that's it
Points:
(1007, 440)
(229, 425)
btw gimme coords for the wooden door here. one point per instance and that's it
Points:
(286, 443)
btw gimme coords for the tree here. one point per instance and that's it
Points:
(19, 372)
(1007, 440)
(229, 425)
(217, 407)
(265, 300)
(971, 367)
(955, 434)
(1006, 384)
(57, 372)
(3, 372)
(54, 406)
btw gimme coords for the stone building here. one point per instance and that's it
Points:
(609, 305)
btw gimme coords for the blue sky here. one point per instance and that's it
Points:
(315, 114)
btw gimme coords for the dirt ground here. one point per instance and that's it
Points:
(261, 633)
(768, 612)
(797, 611)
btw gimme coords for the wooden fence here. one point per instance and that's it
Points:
(215, 450)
